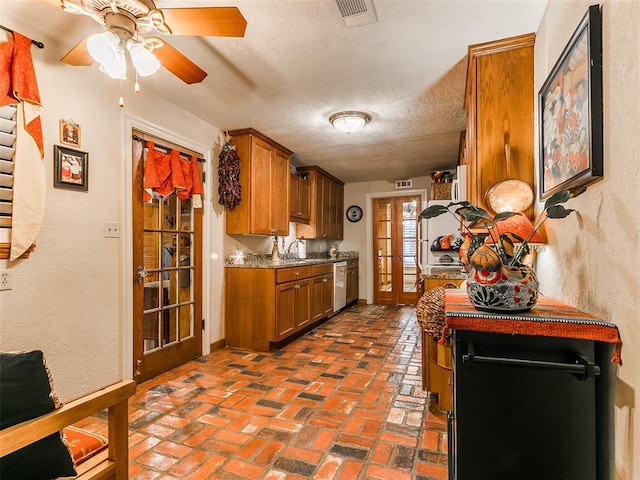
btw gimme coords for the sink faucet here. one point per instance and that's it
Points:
(292, 244)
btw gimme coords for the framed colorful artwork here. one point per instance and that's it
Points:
(570, 112)
(69, 132)
(70, 168)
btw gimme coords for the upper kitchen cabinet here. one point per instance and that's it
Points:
(299, 199)
(264, 176)
(499, 103)
(327, 206)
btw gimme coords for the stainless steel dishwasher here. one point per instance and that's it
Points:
(339, 285)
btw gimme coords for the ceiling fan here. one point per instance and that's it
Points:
(128, 21)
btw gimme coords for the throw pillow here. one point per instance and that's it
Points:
(26, 392)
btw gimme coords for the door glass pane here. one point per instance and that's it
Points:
(409, 274)
(186, 223)
(384, 212)
(170, 213)
(186, 325)
(152, 215)
(169, 326)
(151, 329)
(151, 257)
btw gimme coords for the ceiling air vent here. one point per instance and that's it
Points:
(357, 12)
(404, 183)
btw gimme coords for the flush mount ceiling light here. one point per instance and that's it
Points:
(349, 122)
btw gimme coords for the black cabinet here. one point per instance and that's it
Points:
(530, 408)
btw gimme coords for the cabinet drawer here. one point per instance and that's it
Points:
(323, 269)
(352, 263)
(292, 273)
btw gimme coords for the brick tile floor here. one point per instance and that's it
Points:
(341, 402)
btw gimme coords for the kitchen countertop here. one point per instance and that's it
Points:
(266, 262)
(445, 275)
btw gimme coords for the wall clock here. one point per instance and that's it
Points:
(354, 213)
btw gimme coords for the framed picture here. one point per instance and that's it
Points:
(570, 112)
(69, 132)
(70, 168)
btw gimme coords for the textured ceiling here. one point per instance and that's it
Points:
(298, 64)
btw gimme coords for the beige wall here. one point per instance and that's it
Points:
(66, 298)
(592, 259)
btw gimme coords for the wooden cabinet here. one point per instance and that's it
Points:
(264, 176)
(499, 104)
(430, 283)
(327, 206)
(265, 306)
(292, 308)
(299, 199)
(321, 291)
(352, 281)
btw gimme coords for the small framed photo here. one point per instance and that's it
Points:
(70, 168)
(69, 132)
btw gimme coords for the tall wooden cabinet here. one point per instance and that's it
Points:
(327, 206)
(499, 103)
(264, 177)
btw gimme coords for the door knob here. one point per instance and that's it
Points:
(141, 274)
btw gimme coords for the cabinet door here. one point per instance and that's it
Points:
(279, 200)
(352, 284)
(285, 310)
(327, 294)
(442, 282)
(302, 304)
(336, 209)
(316, 304)
(294, 196)
(261, 154)
(304, 199)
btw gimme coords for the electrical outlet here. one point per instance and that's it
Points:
(111, 229)
(5, 280)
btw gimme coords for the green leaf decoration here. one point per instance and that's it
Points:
(559, 197)
(558, 211)
(503, 215)
(433, 211)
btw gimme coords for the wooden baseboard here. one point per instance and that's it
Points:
(219, 345)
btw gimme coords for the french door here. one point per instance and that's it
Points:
(167, 276)
(395, 240)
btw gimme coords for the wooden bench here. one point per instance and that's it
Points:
(112, 462)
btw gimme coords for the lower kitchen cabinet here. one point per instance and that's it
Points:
(322, 292)
(292, 308)
(266, 306)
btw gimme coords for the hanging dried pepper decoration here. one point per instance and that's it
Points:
(229, 188)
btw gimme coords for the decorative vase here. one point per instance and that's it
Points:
(494, 287)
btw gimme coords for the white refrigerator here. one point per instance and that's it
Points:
(432, 229)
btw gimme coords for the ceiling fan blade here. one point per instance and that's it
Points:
(78, 55)
(55, 3)
(206, 21)
(179, 65)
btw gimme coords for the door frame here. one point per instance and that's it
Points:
(369, 228)
(128, 124)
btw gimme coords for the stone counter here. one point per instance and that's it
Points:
(264, 261)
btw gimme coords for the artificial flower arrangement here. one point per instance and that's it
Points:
(498, 280)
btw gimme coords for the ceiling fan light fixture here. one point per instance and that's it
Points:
(103, 47)
(143, 60)
(117, 68)
(349, 122)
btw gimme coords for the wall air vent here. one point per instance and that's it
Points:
(357, 12)
(404, 184)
